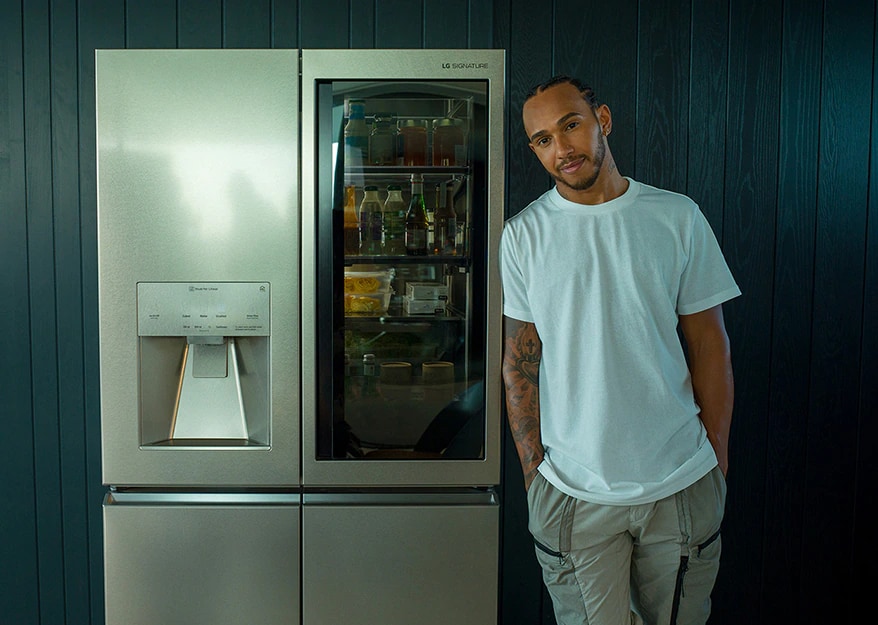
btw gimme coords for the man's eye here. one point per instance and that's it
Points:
(572, 125)
(543, 141)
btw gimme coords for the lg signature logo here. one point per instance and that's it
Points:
(464, 66)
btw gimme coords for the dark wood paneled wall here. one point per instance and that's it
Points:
(762, 110)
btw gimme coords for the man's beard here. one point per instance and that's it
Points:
(597, 161)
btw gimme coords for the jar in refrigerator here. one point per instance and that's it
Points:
(371, 222)
(383, 140)
(356, 134)
(413, 142)
(394, 221)
(449, 146)
(351, 222)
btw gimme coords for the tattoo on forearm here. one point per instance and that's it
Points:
(521, 365)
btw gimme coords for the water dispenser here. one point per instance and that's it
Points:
(204, 363)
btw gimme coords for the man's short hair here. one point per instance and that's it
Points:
(586, 91)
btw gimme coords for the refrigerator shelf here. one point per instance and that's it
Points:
(431, 259)
(404, 172)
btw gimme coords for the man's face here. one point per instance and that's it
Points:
(566, 135)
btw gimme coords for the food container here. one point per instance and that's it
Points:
(366, 303)
(367, 282)
(423, 307)
(426, 290)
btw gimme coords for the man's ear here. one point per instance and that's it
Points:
(605, 119)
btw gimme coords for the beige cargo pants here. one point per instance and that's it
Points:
(653, 563)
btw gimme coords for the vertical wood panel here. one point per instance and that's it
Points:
(663, 94)
(68, 264)
(838, 306)
(480, 24)
(445, 23)
(783, 564)
(246, 24)
(865, 557)
(19, 600)
(101, 24)
(325, 24)
(362, 20)
(200, 23)
(597, 43)
(399, 24)
(285, 24)
(708, 93)
(38, 172)
(748, 244)
(151, 24)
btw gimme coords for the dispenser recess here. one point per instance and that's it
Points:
(204, 362)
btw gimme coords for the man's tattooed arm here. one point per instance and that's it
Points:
(522, 351)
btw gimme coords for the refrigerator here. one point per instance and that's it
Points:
(300, 414)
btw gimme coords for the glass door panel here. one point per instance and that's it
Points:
(401, 329)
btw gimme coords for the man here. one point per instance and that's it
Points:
(623, 444)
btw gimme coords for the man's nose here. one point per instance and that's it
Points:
(562, 147)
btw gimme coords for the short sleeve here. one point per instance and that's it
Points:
(515, 300)
(706, 280)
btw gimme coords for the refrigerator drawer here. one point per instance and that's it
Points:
(202, 560)
(371, 560)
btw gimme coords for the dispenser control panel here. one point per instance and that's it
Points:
(203, 308)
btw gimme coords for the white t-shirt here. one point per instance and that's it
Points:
(604, 285)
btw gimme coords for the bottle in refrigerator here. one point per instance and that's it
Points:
(351, 222)
(394, 221)
(369, 380)
(416, 223)
(413, 140)
(371, 223)
(383, 140)
(356, 134)
(444, 223)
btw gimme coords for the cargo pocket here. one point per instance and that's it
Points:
(550, 519)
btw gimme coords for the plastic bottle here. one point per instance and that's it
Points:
(356, 134)
(351, 222)
(394, 221)
(444, 224)
(371, 223)
(416, 223)
(383, 140)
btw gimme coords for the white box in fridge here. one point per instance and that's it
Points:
(423, 307)
(426, 291)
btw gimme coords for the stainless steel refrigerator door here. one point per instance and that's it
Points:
(421, 72)
(430, 559)
(198, 184)
(210, 559)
